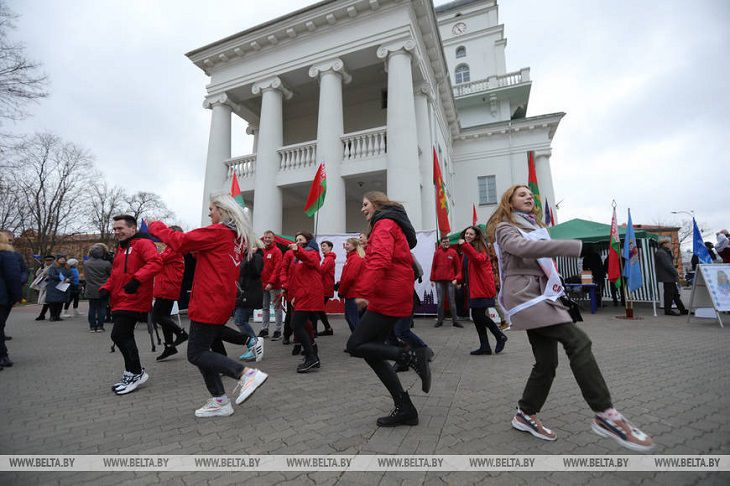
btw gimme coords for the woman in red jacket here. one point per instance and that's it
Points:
(327, 269)
(304, 289)
(218, 249)
(482, 291)
(386, 288)
(166, 292)
(350, 273)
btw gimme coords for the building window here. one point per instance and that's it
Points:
(461, 74)
(487, 190)
(461, 51)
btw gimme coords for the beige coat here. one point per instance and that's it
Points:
(524, 280)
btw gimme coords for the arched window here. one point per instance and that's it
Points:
(461, 74)
(461, 51)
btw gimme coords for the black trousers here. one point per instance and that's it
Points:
(671, 295)
(299, 323)
(482, 321)
(4, 313)
(123, 337)
(577, 345)
(161, 315)
(367, 341)
(211, 364)
(288, 330)
(322, 316)
(55, 310)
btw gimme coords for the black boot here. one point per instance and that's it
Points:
(167, 352)
(404, 413)
(500, 344)
(296, 349)
(310, 363)
(483, 347)
(400, 367)
(181, 338)
(418, 360)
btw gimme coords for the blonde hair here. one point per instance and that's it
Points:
(358, 246)
(5, 242)
(503, 213)
(240, 218)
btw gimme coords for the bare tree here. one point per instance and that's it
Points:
(104, 202)
(20, 81)
(147, 205)
(10, 209)
(53, 182)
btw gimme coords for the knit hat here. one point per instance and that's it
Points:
(72, 262)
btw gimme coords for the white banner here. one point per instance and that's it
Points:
(19, 463)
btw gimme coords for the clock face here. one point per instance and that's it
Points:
(459, 28)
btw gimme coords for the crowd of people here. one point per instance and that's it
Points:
(236, 273)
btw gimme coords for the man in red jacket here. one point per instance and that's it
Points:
(272, 285)
(444, 269)
(136, 262)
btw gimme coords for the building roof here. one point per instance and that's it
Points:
(454, 5)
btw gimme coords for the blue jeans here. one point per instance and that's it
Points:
(402, 330)
(97, 313)
(241, 318)
(352, 315)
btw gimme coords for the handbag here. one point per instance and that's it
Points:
(573, 308)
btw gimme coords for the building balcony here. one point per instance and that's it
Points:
(363, 152)
(496, 82)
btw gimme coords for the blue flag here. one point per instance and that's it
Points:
(632, 267)
(698, 246)
(142, 226)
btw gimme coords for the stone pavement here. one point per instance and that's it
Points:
(670, 378)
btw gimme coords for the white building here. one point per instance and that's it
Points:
(370, 87)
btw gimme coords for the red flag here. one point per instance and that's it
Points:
(317, 192)
(614, 250)
(532, 179)
(236, 192)
(442, 204)
(473, 214)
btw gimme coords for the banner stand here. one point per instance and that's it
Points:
(711, 289)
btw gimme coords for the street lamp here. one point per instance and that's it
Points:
(691, 212)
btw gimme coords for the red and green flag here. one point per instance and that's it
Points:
(614, 254)
(317, 192)
(532, 179)
(474, 214)
(442, 204)
(236, 192)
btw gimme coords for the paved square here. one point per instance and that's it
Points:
(669, 377)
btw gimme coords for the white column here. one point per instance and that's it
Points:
(219, 149)
(425, 160)
(252, 129)
(267, 198)
(330, 127)
(402, 159)
(545, 177)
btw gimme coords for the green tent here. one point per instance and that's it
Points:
(590, 231)
(454, 237)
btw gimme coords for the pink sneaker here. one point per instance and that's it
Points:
(623, 432)
(532, 424)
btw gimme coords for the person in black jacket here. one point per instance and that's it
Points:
(668, 276)
(11, 291)
(250, 297)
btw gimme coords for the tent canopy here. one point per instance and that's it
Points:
(590, 231)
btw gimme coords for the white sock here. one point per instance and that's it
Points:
(221, 399)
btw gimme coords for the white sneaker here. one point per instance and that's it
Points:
(213, 408)
(258, 349)
(126, 378)
(249, 382)
(66, 314)
(133, 383)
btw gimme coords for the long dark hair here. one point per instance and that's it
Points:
(479, 242)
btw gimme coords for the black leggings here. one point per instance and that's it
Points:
(211, 364)
(73, 297)
(299, 323)
(367, 341)
(55, 309)
(322, 316)
(230, 336)
(161, 315)
(482, 321)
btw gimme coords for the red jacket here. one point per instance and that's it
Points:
(446, 265)
(272, 267)
(169, 280)
(140, 261)
(217, 264)
(304, 284)
(481, 278)
(351, 271)
(387, 279)
(284, 268)
(327, 268)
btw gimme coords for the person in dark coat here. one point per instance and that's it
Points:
(250, 297)
(668, 276)
(97, 270)
(11, 291)
(592, 261)
(55, 297)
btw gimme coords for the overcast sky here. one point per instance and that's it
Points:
(644, 85)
